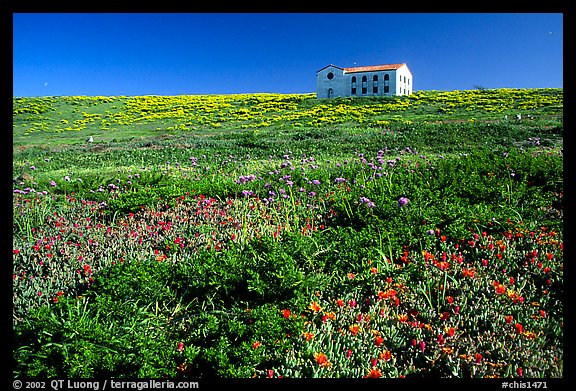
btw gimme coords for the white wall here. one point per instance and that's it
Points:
(404, 81)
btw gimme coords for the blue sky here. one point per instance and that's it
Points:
(225, 53)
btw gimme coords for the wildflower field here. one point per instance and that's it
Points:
(279, 235)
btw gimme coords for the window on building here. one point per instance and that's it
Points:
(330, 76)
(386, 83)
(353, 86)
(375, 84)
(364, 84)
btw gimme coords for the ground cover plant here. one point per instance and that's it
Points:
(270, 235)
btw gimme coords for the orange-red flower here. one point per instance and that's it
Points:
(385, 295)
(374, 373)
(378, 340)
(314, 307)
(256, 345)
(500, 288)
(386, 355)
(286, 313)
(529, 334)
(354, 329)
(308, 335)
(329, 315)
(322, 360)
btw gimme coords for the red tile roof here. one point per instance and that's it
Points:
(373, 68)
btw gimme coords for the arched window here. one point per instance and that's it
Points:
(330, 92)
(364, 84)
(375, 84)
(353, 86)
(386, 83)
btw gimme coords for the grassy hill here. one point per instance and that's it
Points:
(272, 117)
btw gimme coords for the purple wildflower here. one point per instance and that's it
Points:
(367, 201)
(402, 201)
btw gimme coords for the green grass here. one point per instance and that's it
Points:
(262, 236)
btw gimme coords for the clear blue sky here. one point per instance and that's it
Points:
(225, 53)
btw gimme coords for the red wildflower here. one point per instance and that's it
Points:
(286, 313)
(256, 345)
(374, 373)
(543, 313)
(500, 288)
(478, 358)
(440, 339)
(378, 340)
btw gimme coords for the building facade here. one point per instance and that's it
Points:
(375, 80)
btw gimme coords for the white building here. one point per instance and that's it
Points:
(374, 80)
